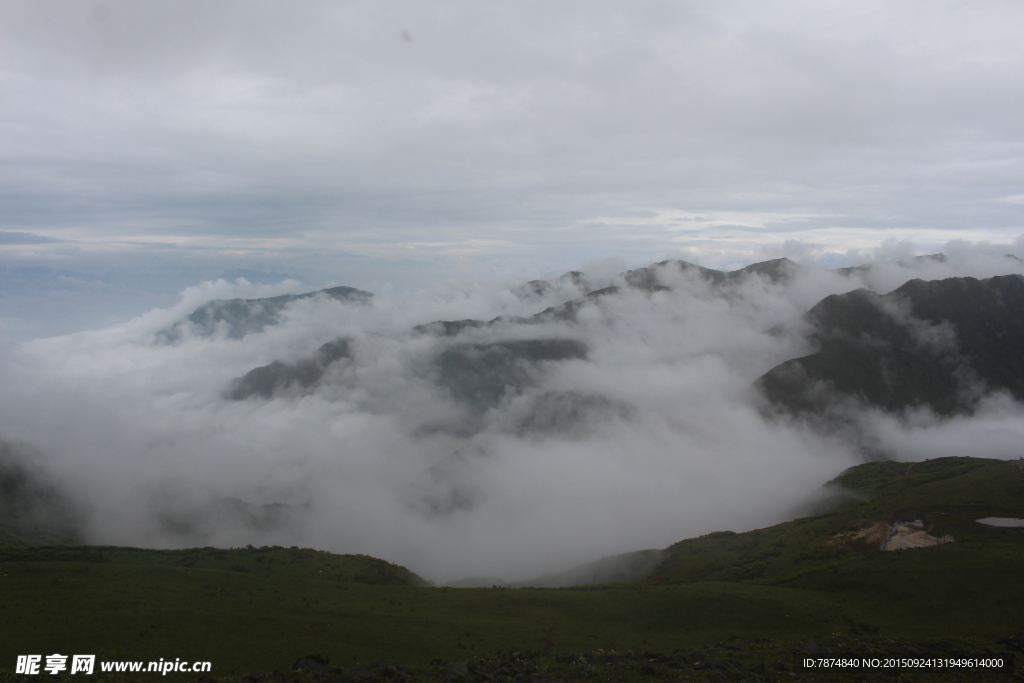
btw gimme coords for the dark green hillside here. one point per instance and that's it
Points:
(938, 344)
(748, 602)
(966, 588)
(946, 494)
(274, 562)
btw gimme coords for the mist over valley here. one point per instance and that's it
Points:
(511, 341)
(511, 432)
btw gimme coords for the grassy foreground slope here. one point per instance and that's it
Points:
(244, 621)
(947, 494)
(261, 609)
(970, 587)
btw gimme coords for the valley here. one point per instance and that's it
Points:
(755, 598)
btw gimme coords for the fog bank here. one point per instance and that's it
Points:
(649, 435)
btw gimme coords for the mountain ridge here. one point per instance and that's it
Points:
(281, 377)
(941, 344)
(240, 317)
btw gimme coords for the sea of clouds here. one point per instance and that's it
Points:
(654, 437)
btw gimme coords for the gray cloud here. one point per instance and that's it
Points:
(517, 140)
(320, 122)
(440, 156)
(652, 436)
(8, 237)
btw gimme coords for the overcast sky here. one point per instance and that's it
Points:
(149, 146)
(433, 153)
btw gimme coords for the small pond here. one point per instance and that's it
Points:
(1010, 522)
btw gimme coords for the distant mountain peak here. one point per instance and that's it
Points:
(248, 316)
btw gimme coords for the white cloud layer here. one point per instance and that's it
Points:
(417, 150)
(381, 459)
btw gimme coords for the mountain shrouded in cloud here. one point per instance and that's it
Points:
(481, 375)
(481, 413)
(494, 430)
(942, 345)
(246, 316)
(278, 377)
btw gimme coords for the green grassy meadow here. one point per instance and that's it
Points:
(260, 609)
